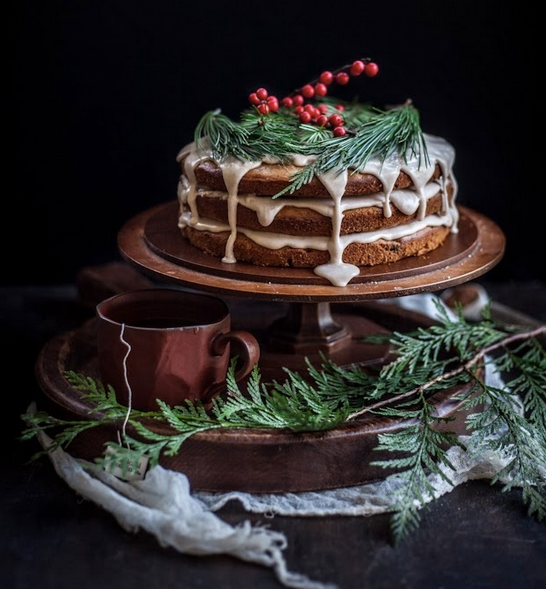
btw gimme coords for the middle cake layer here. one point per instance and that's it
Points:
(313, 217)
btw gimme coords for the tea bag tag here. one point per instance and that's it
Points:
(125, 464)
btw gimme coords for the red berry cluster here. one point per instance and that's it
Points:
(263, 102)
(307, 112)
(317, 115)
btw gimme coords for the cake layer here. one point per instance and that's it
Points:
(308, 217)
(358, 254)
(270, 179)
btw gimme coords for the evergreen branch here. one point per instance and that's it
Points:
(224, 137)
(530, 381)
(424, 453)
(500, 428)
(102, 399)
(272, 136)
(349, 385)
(373, 132)
(65, 431)
(466, 367)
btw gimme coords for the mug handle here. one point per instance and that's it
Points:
(250, 354)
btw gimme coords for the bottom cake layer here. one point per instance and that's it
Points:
(358, 254)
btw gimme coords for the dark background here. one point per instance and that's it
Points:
(105, 93)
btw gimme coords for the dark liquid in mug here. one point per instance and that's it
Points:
(163, 322)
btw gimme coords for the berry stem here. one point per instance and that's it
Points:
(343, 69)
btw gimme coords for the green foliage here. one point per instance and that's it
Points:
(517, 433)
(510, 420)
(372, 132)
(251, 138)
(64, 431)
(223, 135)
(423, 453)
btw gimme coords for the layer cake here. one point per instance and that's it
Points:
(274, 190)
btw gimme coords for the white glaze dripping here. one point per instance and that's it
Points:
(192, 158)
(275, 241)
(406, 200)
(336, 270)
(445, 158)
(387, 171)
(233, 170)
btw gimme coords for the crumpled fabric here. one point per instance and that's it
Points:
(362, 500)
(164, 505)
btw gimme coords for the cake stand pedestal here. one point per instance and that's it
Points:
(297, 317)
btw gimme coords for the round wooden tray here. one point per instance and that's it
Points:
(246, 460)
(152, 242)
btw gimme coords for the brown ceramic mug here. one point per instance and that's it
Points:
(170, 345)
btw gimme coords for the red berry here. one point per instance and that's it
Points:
(320, 90)
(308, 91)
(326, 78)
(323, 108)
(298, 110)
(287, 101)
(342, 78)
(305, 117)
(357, 68)
(263, 108)
(335, 120)
(340, 107)
(262, 93)
(253, 98)
(273, 103)
(371, 69)
(339, 132)
(322, 120)
(297, 99)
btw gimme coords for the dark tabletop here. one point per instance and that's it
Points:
(473, 537)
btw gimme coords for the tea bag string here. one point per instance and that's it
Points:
(129, 390)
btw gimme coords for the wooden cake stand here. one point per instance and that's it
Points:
(304, 317)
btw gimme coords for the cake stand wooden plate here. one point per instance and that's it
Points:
(245, 460)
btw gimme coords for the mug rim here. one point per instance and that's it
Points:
(159, 292)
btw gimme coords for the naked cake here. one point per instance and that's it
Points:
(317, 182)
